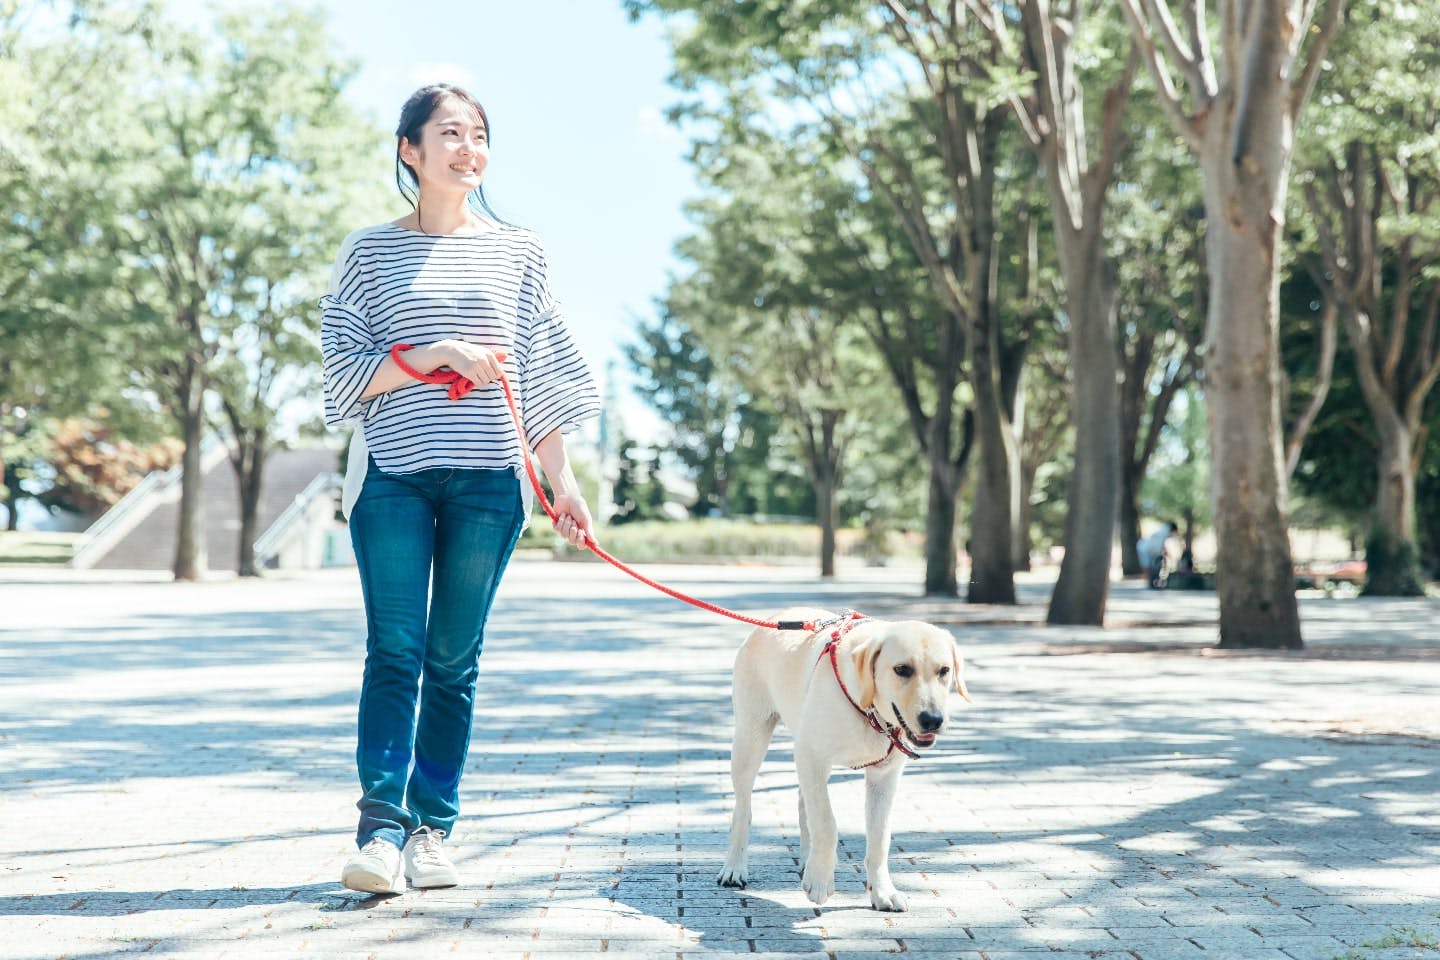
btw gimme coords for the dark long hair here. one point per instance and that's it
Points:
(413, 116)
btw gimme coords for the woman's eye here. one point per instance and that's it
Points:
(905, 671)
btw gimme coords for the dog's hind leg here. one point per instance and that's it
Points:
(881, 784)
(754, 727)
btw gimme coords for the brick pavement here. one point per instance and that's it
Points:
(177, 781)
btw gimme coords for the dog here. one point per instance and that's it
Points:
(860, 692)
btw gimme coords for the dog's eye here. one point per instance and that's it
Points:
(944, 672)
(904, 671)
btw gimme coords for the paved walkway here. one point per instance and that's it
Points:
(176, 780)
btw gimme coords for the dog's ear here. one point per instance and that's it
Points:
(959, 668)
(864, 654)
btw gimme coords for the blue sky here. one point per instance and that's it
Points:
(580, 150)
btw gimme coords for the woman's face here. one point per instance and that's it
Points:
(453, 151)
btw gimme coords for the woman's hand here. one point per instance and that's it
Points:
(475, 363)
(573, 519)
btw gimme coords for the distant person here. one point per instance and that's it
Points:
(434, 489)
(1152, 552)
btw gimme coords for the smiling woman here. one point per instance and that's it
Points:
(443, 143)
(433, 489)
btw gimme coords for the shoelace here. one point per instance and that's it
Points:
(375, 848)
(427, 846)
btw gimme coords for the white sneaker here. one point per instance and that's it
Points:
(375, 868)
(426, 864)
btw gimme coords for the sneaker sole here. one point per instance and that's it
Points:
(364, 881)
(422, 882)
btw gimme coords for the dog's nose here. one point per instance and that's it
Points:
(930, 722)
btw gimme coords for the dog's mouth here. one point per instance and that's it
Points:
(919, 739)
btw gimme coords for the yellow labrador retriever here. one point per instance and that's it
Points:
(860, 692)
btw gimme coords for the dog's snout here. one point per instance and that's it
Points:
(930, 722)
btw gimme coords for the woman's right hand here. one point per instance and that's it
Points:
(478, 364)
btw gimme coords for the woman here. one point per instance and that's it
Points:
(434, 490)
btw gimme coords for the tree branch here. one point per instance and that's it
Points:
(1165, 91)
(1315, 57)
(1324, 369)
(1185, 58)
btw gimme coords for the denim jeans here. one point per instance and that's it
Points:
(431, 547)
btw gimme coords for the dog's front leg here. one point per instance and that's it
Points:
(804, 833)
(881, 784)
(813, 771)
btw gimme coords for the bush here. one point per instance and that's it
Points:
(654, 541)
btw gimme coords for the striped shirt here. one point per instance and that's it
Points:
(393, 285)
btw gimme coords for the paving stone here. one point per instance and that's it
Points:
(179, 781)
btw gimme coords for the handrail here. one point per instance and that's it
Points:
(267, 545)
(127, 512)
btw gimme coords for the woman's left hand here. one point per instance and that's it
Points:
(573, 519)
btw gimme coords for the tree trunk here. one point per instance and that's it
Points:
(825, 507)
(827, 484)
(190, 536)
(1255, 578)
(251, 477)
(1083, 588)
(12, 501)
(1129, 521)
(1391, 558)
(1022, 521)
(940, 527)
(992, 552)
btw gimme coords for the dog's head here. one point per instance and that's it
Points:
(907, 671)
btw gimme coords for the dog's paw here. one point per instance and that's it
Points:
(819, 884)
(733, 875)
(889, 900)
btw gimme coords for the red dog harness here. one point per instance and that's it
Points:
(832, 646)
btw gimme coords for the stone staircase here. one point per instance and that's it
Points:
(151, 544)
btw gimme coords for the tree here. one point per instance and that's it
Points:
(246, 192)
(65, 350)
(1052, 109)
(307, 196)
(1372, 190)
(712, 419)
(924, 126)
(770, 268)
(93, 467)
(1239, 118)
(1158, 250)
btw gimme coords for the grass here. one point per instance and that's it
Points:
(1399, 937)
(35, 547)
(1406, 937)
(715, 539)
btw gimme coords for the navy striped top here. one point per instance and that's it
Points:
(393, 285)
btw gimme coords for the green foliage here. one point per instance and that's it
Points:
(186, 244)
(721, 539)
(717, 429)
(1178, 483)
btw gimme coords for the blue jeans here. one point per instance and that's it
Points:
(431, 547)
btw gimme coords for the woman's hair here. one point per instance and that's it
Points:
(413, 116)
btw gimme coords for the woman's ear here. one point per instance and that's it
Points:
(863, 654)
(409, 152)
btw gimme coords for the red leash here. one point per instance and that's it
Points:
(460, 386)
